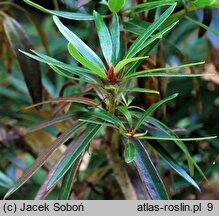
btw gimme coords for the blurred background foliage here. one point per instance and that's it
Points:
(196, 108)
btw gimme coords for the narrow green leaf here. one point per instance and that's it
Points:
(173, 164)
(44, 157)
(115, 35)
(179, 143)
(124, 62)
(115, 5)
(81, 47)
(178, 139)
(18, 39)
(126, 113)
(71, 157)
(152, 108)
(106, 116)
(151, 72)
(67, 183)
(73, 51)
(104, 37)
(67, 70)
(148, 172)
(129, 152)
(144, 52)
(64, 14)
(143, 90)
(98, 122)
(150, 5)
(203, 26)
(152, 28)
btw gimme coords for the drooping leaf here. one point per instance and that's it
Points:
(207, 28)
(76, 99)
(115, 35)
(152, 108)
(73, 51)
(173, 164)
(129, 152)
(64, 14)
(152, 28)
(148, 172)
(18, 39)
(43, 157)
(179, 143)
(124, 62)
(126, 113)
(50, 122)
(115, 5)
(78, 147)
(81, 47)
(104, 37)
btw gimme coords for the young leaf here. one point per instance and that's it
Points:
(73, 51)
(126, 113)
(18, 39)
(152, 28)
(124, 62)
(44, 157)
(129, 152)
(81, 47)
(115, 5)
(104, 37)
(152, 108)
(79, 146)
(148, 172)
(115, 35)
(64, 14)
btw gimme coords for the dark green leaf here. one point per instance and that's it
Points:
(152, 28)
(81, 47)
(115, 35)
(148, 172)
(44, 157)
(19, 40)
(169, 159)
(152, 108)
(79, 146)
(64, 14)
(126, 113)
(104, 37)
